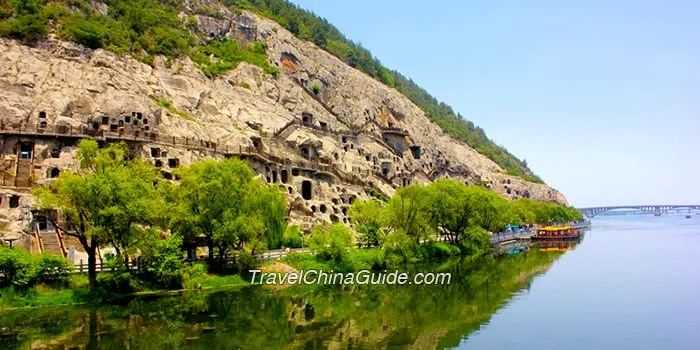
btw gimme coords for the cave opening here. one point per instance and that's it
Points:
(306, 189)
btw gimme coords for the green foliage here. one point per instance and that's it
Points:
(16, 267)
(86, 32)
(224, 204)
(408, 212)
(144, 28)
(161, 262)
(293, 237)
(170, 107)
(331, 242)
(229, 54)
(107, 202)
(22, 269)
(316, 89)
(439, 250)
(366, 216)
(52, 268)
(28, 28)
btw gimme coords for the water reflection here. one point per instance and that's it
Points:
(305, 317)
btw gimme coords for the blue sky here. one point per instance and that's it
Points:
(602, 98)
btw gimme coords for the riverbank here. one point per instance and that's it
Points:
(74, 289)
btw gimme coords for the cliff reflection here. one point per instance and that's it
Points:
(299, 317)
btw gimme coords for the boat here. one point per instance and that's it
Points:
(688, 216)
(556, 233)
(556, 245)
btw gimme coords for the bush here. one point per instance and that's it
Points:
(86, 32)
(331, 243)
(29, 28)
(53, 268)
(20, 268)
(118, 283)
(293, 237)
(17, 267)
(439, 250)
(365, 259)
(162, 262)
(476, 240)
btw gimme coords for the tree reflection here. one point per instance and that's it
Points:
(298, 317)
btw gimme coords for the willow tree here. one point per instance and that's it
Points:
(106, 202)
(224, 204)
(408, 213)
(453, 207)
(366, 215)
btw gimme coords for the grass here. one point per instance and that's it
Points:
(211, 281)
(75, 290)
(170, 107)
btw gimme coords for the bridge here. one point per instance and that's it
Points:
(593, 211)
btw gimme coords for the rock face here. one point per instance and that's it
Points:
(325, 132)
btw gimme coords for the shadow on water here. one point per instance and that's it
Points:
(303, 317)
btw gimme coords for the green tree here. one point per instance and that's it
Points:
(408, 211)
(331, 242)
(228, 208)
(453, 207)
(366, 216)
(107, 202)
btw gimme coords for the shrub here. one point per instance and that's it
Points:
(245, 260)
(29, 28)
(331, 243)
(17, 266)
(161, 262)
(86, 32)
(316, 89)
(303, 261)
(365, 259)
(476, 240)
(52, 267)
(293, 237)
(439, 250)
(118, 283)
(20, 268)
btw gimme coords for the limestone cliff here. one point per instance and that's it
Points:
(325, 132)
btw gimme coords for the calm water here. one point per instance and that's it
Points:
(633, 283)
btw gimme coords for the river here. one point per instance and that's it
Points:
(632, 283)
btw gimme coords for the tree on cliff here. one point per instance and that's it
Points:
(107, 201)
(228, 208)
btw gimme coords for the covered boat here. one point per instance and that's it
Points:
(547, 233)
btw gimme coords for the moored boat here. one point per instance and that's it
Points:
(556, 233)
(688, 216)
(554, 245)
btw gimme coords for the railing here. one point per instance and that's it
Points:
(60, 242)
(38, 238)
(394, 130)
(129, 134)
(101, 266)
(497, 238)
(134, 265)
